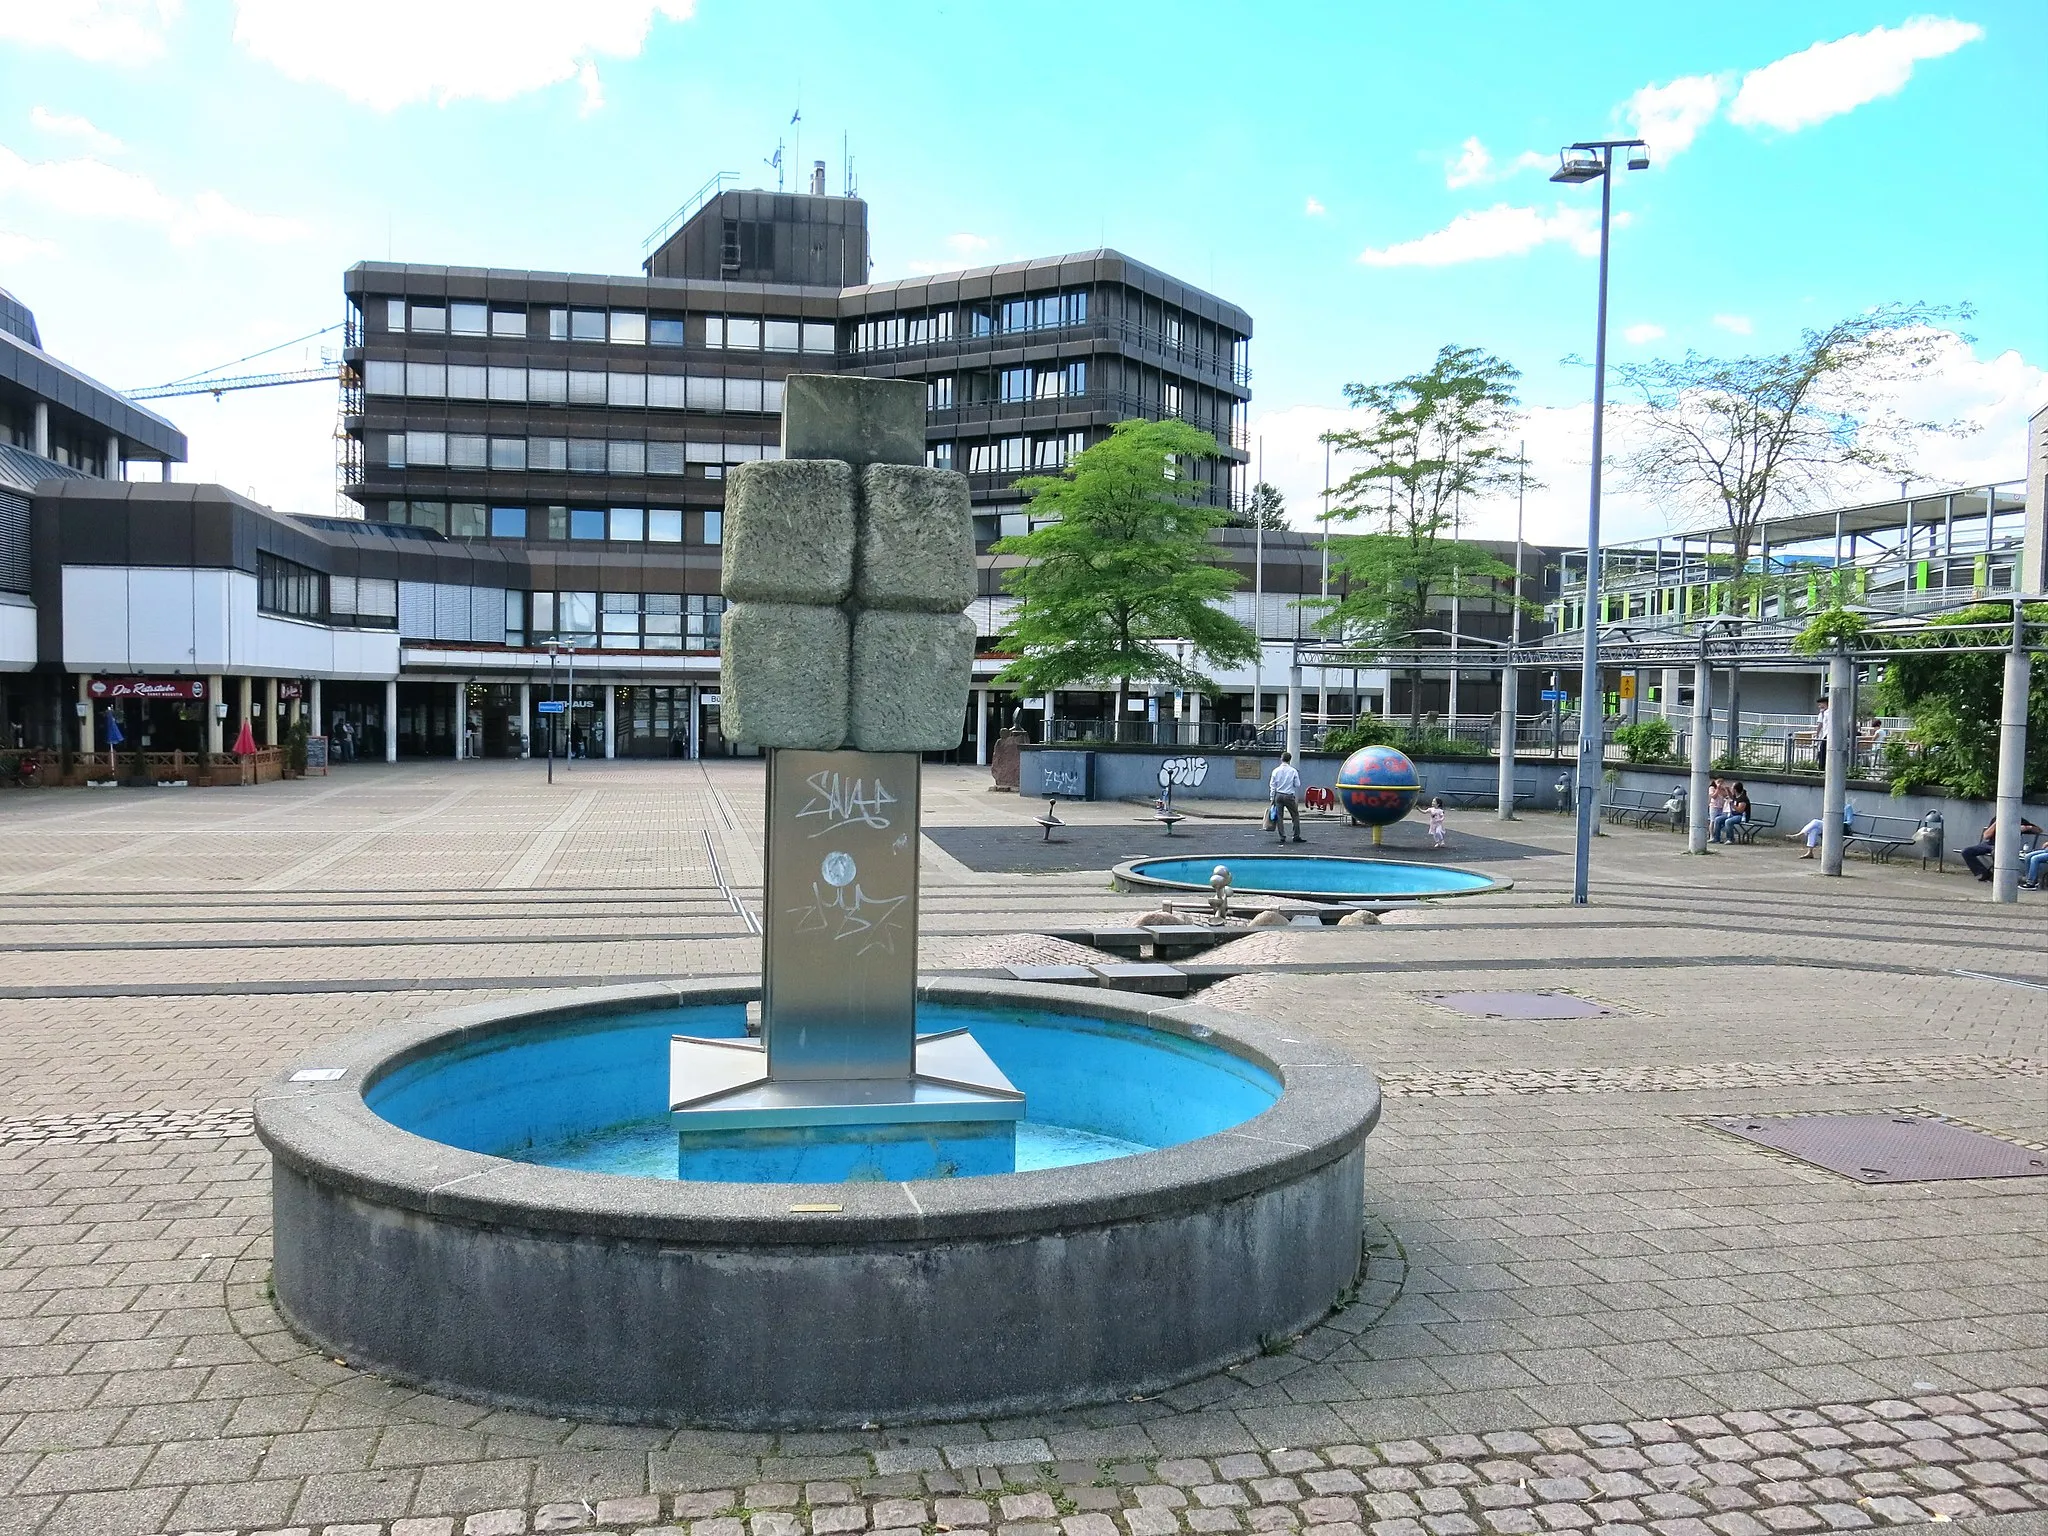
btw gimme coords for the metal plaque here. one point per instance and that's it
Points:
(1520, 1005)
(1888, 1148)
(840, 961)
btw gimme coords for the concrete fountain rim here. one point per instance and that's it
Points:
(1131, 875)
(325, 1131)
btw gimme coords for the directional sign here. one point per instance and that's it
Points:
(553, 707)
(1550, 696)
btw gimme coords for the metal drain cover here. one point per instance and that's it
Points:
(1520, 1005)
(1888, 1148)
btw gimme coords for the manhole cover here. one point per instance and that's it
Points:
(1888, 1148)
(1520, 1005)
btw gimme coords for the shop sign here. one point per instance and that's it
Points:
(291, 690)
(179, 688)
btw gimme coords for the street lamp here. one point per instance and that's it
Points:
(1594, 161)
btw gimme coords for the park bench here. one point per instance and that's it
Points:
(1763, 817)
(1880, 836)
(1468, 798)
(1641, 807)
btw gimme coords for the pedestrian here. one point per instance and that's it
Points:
(1820, 737)
(1717, 808)
(1435, 816)
(1734, 812)
(1284, 793)
(1978, 856)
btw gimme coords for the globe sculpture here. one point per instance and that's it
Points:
(1378, 786)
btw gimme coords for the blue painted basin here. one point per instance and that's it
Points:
(591, 1093)
(1305, 875)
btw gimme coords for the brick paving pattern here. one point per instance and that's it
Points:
(1579, 1311)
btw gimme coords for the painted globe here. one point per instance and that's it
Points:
(1378, 786)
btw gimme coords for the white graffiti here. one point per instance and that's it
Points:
(853, 914)
(842, 802)
(1186, 771)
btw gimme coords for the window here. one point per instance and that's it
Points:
(714, 526)
(782, 335)
(384, 378)
(394, 315)
(508, 453)
(515, 607)
(509, 523)
(663, 621)
(394, 451)
(366, 597)
(626, 458)
(938, 394)
(1170, 333)
(939, 456)
(665, 526)
(819, 338)
(586, 522)
(586, 325)
(980, 323)
(558, 325)
(665, 391)
(1059, 382)
(586, 456)
(547, 453)
(629, 328)
(1172, 400)
(627, 389)
(702, 619)
(508, 322)
(629, 525)
(467, 319)
(548, 386)
(558, 523)
(665, 330)
(935, 327)
(543, 606)
(426, 448)
(714, 330)
(586, 388)
(466, 520)
(743, 334)
(577, 613)
(467, 383)
(743, 394)
(749, 244)
(1017, 315)
(665, 458)
(429, 319)
(1016, 451)
(704, 394)
(430, 514)
(465, 451)
(981, 459)
(285, 586)
(1054, 452)
(1013, 384)
(771, 396)
(426, 380)
(1012, 525)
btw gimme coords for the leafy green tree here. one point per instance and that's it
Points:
(1430, 441)
(1955, 699)
(1123, 563)
(1268, 509)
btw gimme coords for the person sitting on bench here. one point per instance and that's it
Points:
(1979, 854)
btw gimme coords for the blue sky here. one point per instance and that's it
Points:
(181, 183)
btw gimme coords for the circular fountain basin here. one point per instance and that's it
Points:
(1309, 877)
(486, 1204)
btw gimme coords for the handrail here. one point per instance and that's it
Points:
(683, 215)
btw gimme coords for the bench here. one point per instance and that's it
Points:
(1641, 807)
(1880, 836)
(1763, 817)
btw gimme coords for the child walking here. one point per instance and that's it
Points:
(1435, 813)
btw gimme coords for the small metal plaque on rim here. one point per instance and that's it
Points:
(319, 1074)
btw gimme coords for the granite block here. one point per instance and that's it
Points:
(859, 421)
(916, 545)
(783, 675)
(909, 680)
(789, 534)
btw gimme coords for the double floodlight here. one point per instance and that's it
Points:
(1588, 162)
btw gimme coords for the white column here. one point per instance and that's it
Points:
(42, 443)
(611, 715)
(270, 711)
(981, 727)
(1667, 691)
(1510, 691)
(391, 721)
(461, 722)
(2012, 766)
(88, 723)
(167, 469)
(248, 702)
(319, 716)
(1294, 711)
(113, 456)
(1834, 794)
(1702, 755)
(214, 699)
(525, 716)
(696, 721)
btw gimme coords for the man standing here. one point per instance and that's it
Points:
(1285, 791)
(1820, 737)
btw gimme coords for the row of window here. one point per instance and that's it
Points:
(285, 586)
(572, 386)
(561, 455)
(619, 327)
(619, 621)
(1051, 311)
(1008, 455)
(617, 525)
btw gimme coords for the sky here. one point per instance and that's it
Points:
(183, 182)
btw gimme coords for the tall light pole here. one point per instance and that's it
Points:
(1594, 161)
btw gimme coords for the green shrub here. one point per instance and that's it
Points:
(1647, 741)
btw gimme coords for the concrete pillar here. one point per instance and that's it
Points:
(461, 722)
(113, 465)
(2012, 766)
(1294, 710)
(1667, 691)
(1702, 754)
(270, 711)
(42, 443)
(981, 727)
(525, 717)
(167, 469)
(215, 697)
(391, 721)
(696, 721)
(1834, 794)
(1510, 693)
(248, 700)
(298, 710)
(611, 714)
(88, 721)
(319, 715)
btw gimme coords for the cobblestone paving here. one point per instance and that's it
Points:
(1579, 1311)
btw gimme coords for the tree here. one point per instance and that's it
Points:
(1430, 440)
(1728, 441)
(1124, 563)
(1956, 699)
(1268, 509)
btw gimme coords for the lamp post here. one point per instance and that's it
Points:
(1594, 161)
(551, 715)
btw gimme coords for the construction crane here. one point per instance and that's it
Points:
(212, 381)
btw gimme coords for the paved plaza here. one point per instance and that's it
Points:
(1584, 1307)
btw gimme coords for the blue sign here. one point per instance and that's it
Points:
(553, 707)
(1550, 696)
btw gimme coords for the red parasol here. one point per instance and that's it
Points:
(245, 744)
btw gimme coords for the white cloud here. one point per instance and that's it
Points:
(67, 127)
(98, 31)
(592, 86)
(1829, 79)
(92, 189)
(1475, 167)
(20, 248)
(1671, 116)
(1639, 335)
(1314, 209)
(449, 50)
(1735, 325)
(965, 244)
(1501, 230)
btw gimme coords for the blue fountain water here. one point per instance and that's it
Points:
(1258, 875)
(591, 1094)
